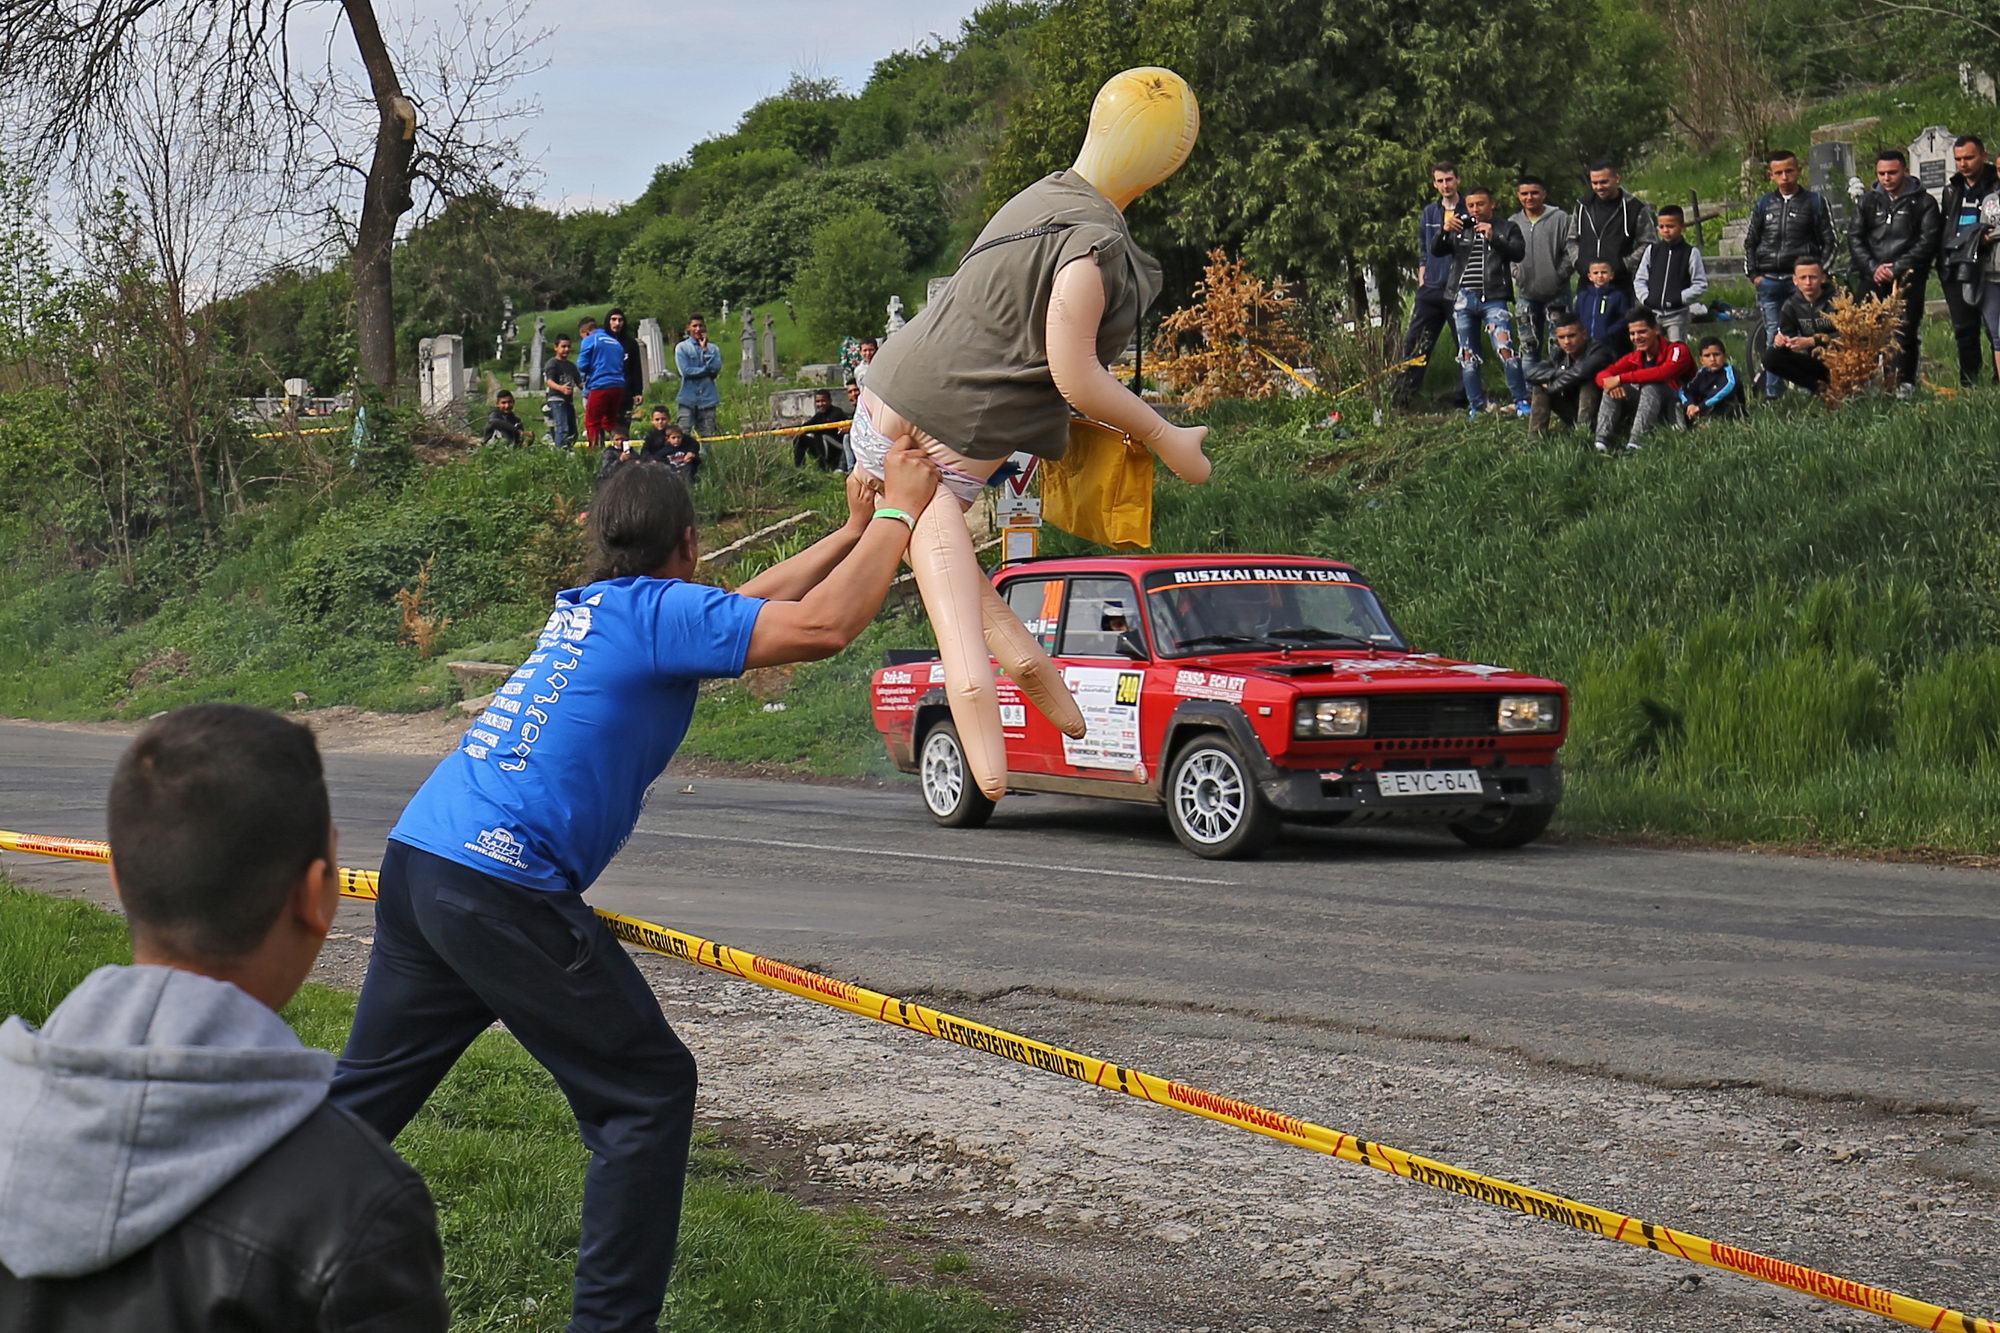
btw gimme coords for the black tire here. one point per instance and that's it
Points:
(1213, 803)
(945, 780)
(1517, 827)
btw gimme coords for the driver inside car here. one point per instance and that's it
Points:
(1249, 609)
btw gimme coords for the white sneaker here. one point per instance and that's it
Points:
(1600, 446)
(1631, 446)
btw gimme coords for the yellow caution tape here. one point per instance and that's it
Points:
(788, 430)
(365, 884)
(281, 434)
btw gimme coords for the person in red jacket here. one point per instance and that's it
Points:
(1644, 383)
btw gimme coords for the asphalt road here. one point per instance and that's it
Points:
(1828, 978)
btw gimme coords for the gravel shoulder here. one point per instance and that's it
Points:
(1084, 1209)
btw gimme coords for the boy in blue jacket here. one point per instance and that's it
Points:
(1716, 391)
(1604, 307)
(602, 364)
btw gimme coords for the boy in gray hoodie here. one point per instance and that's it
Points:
(168, 1158)
(1541, 275)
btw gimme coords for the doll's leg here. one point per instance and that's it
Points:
(1023, 659)
(950, 579)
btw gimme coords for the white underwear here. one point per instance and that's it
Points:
(870, 445)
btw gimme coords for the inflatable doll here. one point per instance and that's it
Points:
(1050, 292)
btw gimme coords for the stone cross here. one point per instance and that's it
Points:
(746, 369)
(896, 320)
(771, 346)
(653, 344)
(536, 353)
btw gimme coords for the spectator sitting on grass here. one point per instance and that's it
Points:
(822, 446)
(1715, 393)
(1805, 329)
(667, 443)
(169, 1161)
(502, 423)
(1563, 385)
(1671, 277)
(1644, 383)
(1603, 308)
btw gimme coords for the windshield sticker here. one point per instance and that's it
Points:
(1109, 700)
(1209, 685)
(1263, 574)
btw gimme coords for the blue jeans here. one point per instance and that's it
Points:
(562, 421)
(1469, 312)
(455, 949)
(1772, 293)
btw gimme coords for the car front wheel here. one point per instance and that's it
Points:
(1517, 827)
(950, 794)
(1213, 803)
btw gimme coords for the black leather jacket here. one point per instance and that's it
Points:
(1785, 229)
(1899, 229)
(328, 1232)
(1504, 249)
(1562, 373)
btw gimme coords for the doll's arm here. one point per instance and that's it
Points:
(1076, 308)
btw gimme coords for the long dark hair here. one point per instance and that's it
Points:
(639, 518)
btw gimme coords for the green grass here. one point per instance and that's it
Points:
(499, 1150)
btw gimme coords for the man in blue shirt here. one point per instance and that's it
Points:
(481, 913)
(699, 362)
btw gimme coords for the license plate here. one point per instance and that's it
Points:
(1428, 782)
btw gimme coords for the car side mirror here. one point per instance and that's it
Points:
(1132, 646)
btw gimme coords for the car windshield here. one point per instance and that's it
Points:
(1246, 608)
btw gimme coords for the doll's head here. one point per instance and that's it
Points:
(1142, 128)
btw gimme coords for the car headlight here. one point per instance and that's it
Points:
(1320, 718)
(1530, 712)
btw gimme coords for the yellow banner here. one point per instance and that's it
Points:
(1162, 1092)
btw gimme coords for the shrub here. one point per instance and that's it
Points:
(857, 261)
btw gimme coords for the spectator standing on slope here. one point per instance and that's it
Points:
(562, 381)
(1548, 259)
(633, 364)
(1964, 251)
(1670, 276)
(1893, 242)
(1611, 227)
(700, 364)
(602, 365)
(1430, 308)
(1787, 224)
(1483, 253)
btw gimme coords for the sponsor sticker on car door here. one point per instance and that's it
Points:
(1109, 699)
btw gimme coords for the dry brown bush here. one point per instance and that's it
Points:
(420, 628)
(1864, 352)
(1206, 351)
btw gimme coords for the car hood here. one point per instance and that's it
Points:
(1360, 669)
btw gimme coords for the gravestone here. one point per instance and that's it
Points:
(935, 288)
(469, 385)
(770, 346)
(1828, 166)
(896, 320)
(818, 372)
(536, 352)
(746, 369)
(298, 388)
(653, 347)
(441, 383)
(1930, 159)
(1853, 131)
(790, 407)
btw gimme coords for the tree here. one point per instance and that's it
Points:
(239, 55)
(1320, 117)
(857, 261)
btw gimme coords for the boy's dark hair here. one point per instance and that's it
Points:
(1969, 141)
(639, 518)
(1476, 191)
(870, 342)
(697, 316)
(1567, 320)
(823, 393)
(1707, 343)
(1641, 315)
(1777, 155)
(1807, 261)
(1444, 164)
(214, 812)
(617, 310)
(1602, 164)
(1892, 155)
(505, 395)
(1672, 211)
(1531, 180)
(585, 325)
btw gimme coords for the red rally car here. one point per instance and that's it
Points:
(1242, 691)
